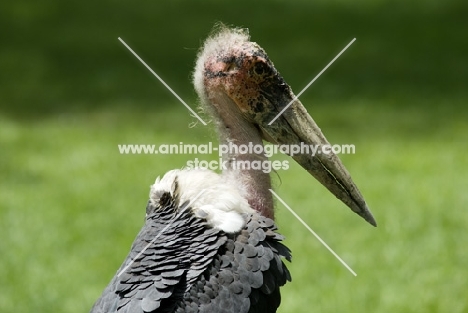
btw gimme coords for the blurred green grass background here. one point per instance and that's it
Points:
(70, 204)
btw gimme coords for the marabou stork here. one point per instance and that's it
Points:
(209, 243)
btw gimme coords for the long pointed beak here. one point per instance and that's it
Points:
(296, 126)
(233, 67)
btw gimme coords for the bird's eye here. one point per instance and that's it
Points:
(260, 68)
(231, 67)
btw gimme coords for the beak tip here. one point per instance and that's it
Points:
(367, 215)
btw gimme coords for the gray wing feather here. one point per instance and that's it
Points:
(190, 267)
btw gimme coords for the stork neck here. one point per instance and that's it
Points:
(254, 184)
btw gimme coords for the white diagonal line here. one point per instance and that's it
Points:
(311, 82)
(314, 233)
(159, 234)
(163, 82)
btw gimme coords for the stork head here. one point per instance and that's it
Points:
(235, 75)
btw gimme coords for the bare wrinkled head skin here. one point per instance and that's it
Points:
(229, 63)
(240, 87)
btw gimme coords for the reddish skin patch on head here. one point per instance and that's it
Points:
(234, 73)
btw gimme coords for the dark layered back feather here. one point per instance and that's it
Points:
(178, 263)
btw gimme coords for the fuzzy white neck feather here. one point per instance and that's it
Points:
(211, 197)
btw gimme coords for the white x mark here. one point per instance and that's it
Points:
(163, 82)
(311, 82)
(314, 233)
